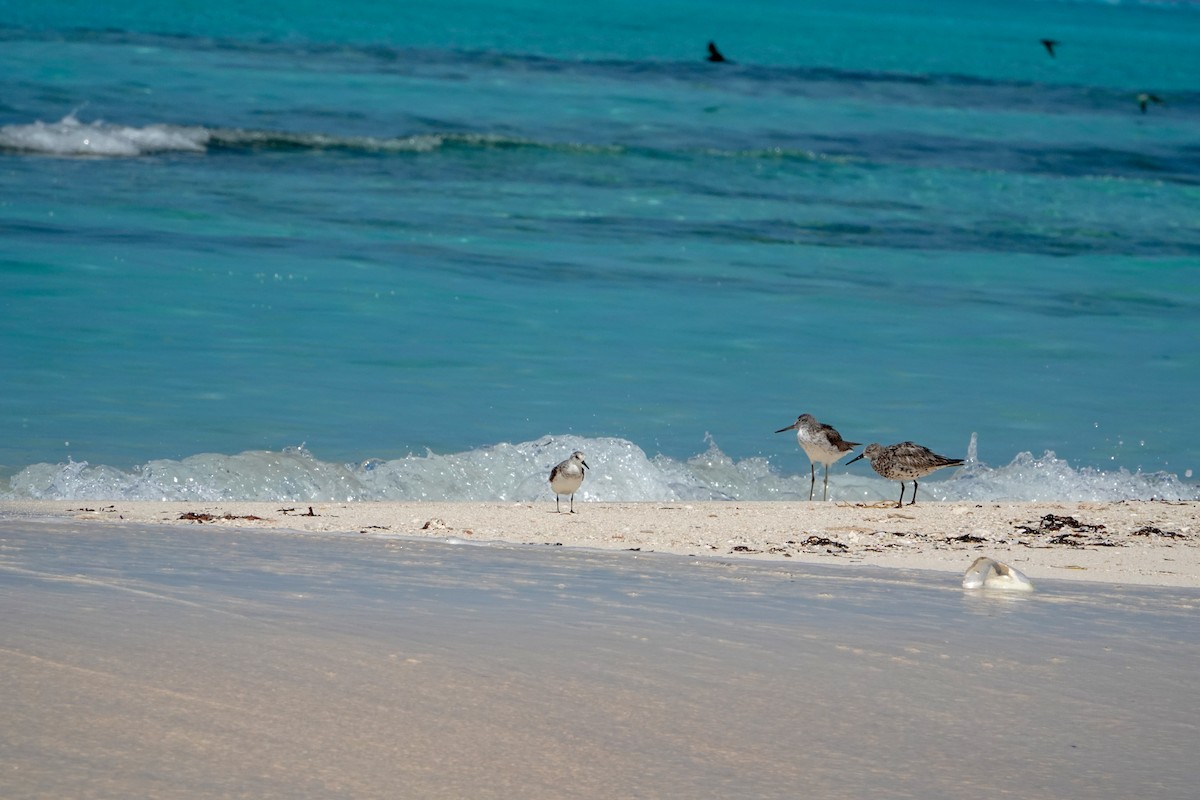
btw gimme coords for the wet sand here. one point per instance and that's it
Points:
(181, 659)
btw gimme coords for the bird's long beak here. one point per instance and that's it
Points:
(856, 458)
(585, 466)
(791, 427)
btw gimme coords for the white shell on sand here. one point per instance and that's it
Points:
(987, 573)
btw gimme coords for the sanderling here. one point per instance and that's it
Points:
(821, 443)
(567, 477)
(904, 461)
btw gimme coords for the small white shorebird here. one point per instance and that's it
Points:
(821, 443)
(904, 462)
(567, 477)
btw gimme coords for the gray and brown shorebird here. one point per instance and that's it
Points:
(567, 477)
(905, 461)
(822, 444)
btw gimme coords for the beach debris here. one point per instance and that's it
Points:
(1070, 532)
(1079, 540)
(311, 513)
(988, 573)
(436, 524)
(1150, 530)
(193, 516)
(741, 548)
(821, 541)
(1052, 522)
(966, 538)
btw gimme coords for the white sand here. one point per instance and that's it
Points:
(181, 659)
(1145, 543)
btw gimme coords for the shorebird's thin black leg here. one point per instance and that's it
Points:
(812, 484)
(825, 493)
(913, 502)
(901, 495)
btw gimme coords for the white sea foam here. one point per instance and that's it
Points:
(621, 471)
(70, 137)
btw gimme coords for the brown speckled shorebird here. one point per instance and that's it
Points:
(821, 443)
(567, 477)
(904, 461)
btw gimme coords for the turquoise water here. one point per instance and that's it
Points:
(372, 232)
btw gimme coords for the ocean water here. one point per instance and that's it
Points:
(362, 250)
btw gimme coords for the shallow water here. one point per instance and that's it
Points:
(173, 662)
(475, 224)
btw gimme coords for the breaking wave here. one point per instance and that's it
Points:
(71, 137)
(621, 471)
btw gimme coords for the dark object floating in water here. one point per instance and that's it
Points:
(1050, 44)
(714, 54)
(1146, 98)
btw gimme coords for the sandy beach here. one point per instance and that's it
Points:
(183, 650)
(1137, 542)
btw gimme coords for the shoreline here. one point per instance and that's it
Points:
(1148, 543)
(157, 660)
